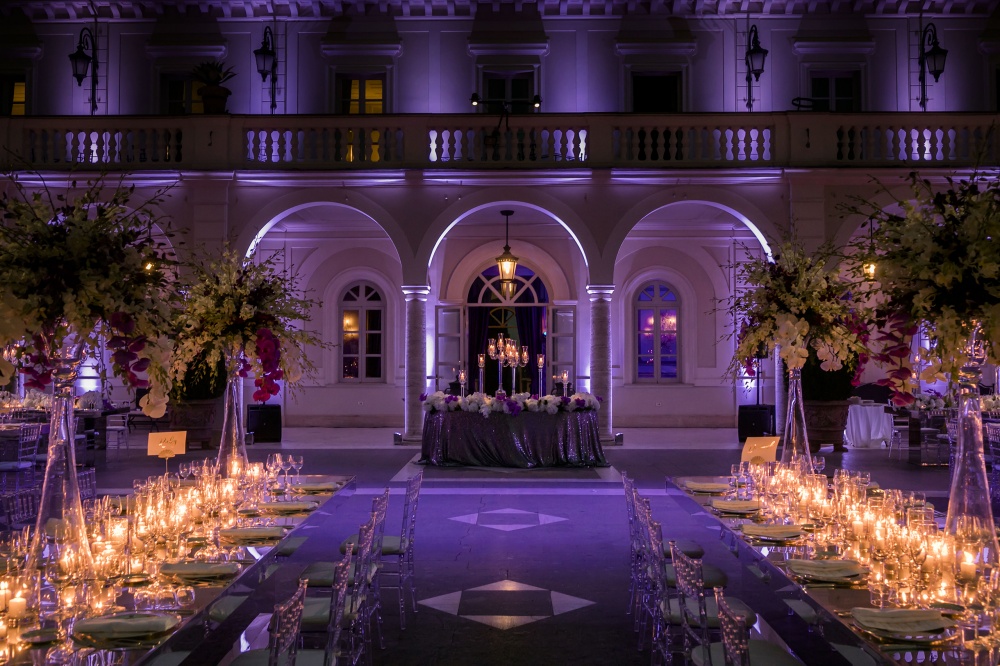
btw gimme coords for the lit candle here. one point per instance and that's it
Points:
(967, 569)
(461, 377)
(565, 377)
(524, 356)
(3, 630)
(17, 607)
(541, 361)
(482, 360)
(5, 595)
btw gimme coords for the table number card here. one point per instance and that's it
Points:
(166, 444)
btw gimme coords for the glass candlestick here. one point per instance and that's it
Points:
(541, 377)
(461, 381)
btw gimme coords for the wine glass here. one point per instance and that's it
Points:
(184, 469)
(819, 464)
(297, 462)
(286, 466)
(184, 596)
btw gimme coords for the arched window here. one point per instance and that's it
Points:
(656, 318)
(362, 317)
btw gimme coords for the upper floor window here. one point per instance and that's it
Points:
(13, 94)
(835, 91)
(516, 88)
(177, 94)
(657, 312)
(361, 95)
(656, 92)
(362, 316)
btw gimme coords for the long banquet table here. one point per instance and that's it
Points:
(530, 439)
(200, 639)
(811, 619)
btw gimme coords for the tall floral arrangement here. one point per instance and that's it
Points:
(90, 264)
(243, 312)
(937, 264)
(796, 302)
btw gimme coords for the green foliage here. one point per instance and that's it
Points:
(201, 382)
(212, 73)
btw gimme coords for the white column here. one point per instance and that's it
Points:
(416, 360)
(600, 353)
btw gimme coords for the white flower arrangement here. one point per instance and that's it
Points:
(797, 302)
(37, 400)
(990, 403)
(512, 405)
(926, 401)
(90, 400)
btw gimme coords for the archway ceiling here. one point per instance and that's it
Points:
(327, 222)
(690, 218)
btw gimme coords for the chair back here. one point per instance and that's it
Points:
(691, 588)
(993, 440)
(410, 510)
(364, 563)
(286, 621)
(380, 506)
(735, 634)
(20, 508)
(760, 450)
(338, 598)
(27, 441)
(87, 481)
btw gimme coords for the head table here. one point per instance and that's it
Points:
(226, 612)
(526, 440)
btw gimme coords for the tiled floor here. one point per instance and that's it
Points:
(519, 566)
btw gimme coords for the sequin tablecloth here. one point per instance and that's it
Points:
(530, 439)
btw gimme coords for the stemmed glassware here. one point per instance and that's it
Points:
(297, 462)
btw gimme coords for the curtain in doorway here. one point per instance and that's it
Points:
(479, 320)
(529, 332)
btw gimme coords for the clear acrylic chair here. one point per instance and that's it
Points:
(331, 651)
(695, 610)
(396, 557)
(116, 435)
(21, 469)
(736, 647)
(283, 630)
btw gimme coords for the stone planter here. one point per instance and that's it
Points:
(213, 99)
(202, 419)
(825, 423)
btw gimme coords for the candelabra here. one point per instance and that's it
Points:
(515, 361)
(498, 352)
(482, 368)
(461, 381)
(541, 382)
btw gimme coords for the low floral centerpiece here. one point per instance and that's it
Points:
(243, 312)
(89, 269)
(937, 265)
(513, 405)
(797, 304)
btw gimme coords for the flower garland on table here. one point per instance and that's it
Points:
(797, 302)
(937, 264)
(242, 311)
(89, 267)
(512, 405)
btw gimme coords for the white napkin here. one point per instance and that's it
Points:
(772, 532)
(286, 507)
(902, 620)
(828, 570)
(706, 486)
(262, 533)
(736, 506)
(126, 625)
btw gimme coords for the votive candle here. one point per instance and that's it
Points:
(541, 361)
(17, 607)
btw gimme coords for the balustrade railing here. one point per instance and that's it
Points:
(466, 141)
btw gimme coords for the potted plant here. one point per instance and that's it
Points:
(195, 401)
(825, 396)
(212, 74)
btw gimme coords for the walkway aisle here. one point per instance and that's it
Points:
(518, 568)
